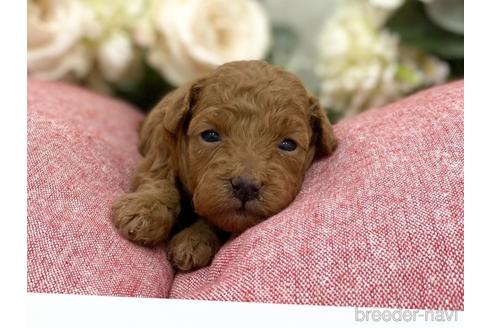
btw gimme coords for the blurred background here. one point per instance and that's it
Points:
(352, 54)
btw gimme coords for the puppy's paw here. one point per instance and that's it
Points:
(192, 249)
(142, 219)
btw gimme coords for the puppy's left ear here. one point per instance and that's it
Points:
(323, 136)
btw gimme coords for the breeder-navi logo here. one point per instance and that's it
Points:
(401, 315)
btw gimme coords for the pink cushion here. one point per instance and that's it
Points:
(379, 223)
(81, 151)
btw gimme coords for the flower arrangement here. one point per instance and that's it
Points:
(353, 54)
(108, 45)
(364, 64)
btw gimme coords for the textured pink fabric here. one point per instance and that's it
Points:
(81, 151)
(380, 223)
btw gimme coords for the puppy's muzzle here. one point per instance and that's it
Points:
(245, 189)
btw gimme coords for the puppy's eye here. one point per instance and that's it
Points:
(287, 145)
(210, 136)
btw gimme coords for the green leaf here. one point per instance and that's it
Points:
(334, 116)
(146, 93)
(284, 43)
(411, 22)
(457, 68)
(447, 14)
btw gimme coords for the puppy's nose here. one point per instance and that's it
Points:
(245, 189)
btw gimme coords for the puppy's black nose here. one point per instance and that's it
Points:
(245, 189)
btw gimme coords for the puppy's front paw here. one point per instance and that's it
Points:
(192, 249)
(142, 219)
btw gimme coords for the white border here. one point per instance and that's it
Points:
(13, 173)
(478, 163)
(54, 310)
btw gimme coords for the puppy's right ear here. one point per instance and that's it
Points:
(167, 117)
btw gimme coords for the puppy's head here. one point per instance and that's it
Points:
(242, 139)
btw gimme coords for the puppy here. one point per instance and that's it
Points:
(233, 146)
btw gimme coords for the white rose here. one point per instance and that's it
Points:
(195, 36)
(54, 28)
(388, 4)
(393, 4)
(358, 60)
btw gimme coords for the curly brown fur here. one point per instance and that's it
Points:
(253, 107)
